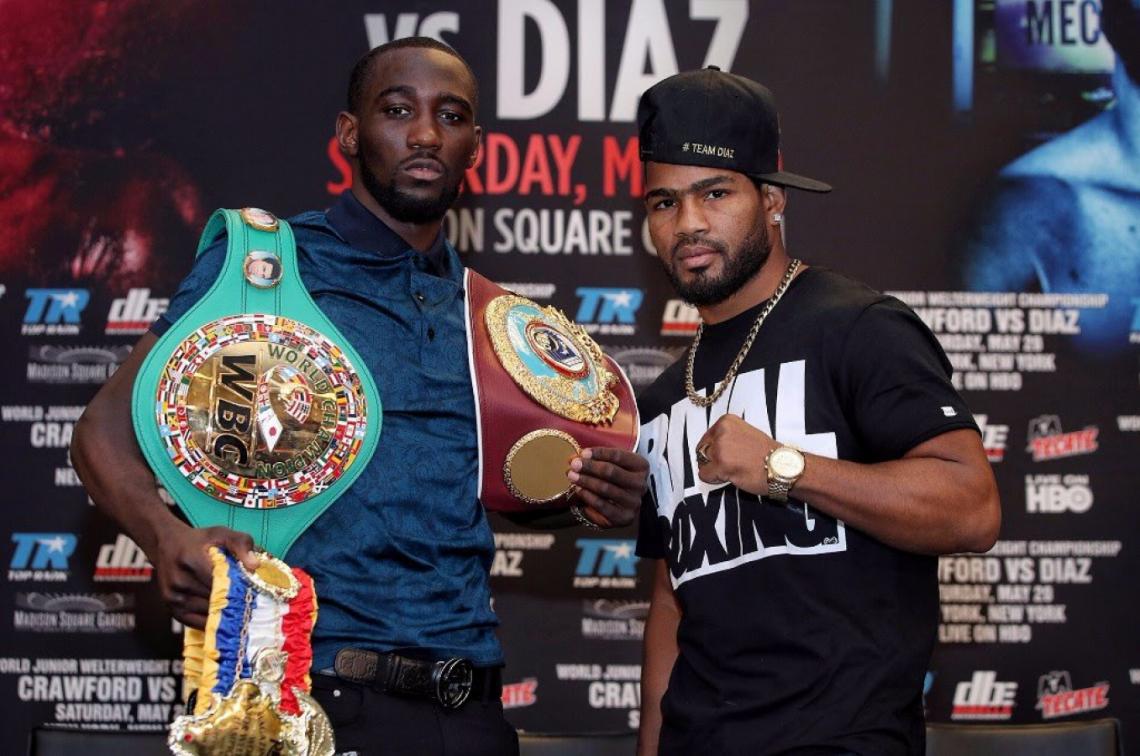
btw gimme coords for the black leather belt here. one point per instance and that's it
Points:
(449, 683)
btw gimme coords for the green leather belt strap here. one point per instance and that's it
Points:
(252, 410)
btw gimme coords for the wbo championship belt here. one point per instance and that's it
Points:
(256, 414)
(248, 671)
(544, 392)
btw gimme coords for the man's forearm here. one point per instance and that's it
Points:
(108, 460)
(939, 499)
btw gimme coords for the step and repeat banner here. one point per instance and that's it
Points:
(985, 159)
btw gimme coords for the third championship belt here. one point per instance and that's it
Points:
(544, 392)
(252, 410)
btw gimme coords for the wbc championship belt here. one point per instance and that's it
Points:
(252, 410)
(256, 414)
(544, 391)
(248, 671)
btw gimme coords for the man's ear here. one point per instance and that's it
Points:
(346, 133)
(775, 200)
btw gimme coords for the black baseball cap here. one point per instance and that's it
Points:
(716, 119)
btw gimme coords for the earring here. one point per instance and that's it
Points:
(777, 218)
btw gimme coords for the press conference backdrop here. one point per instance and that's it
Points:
(124, 124)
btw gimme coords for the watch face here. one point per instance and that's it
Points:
(787, 463)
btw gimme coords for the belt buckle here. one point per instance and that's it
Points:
(452, 681)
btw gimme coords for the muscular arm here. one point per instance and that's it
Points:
(939, 498)
(660, 653)
(108, 460)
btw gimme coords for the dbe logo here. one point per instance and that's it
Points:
(122, 561)
(994, 438)
(1054, 494)
(605, 563)
(54, 312)
(40, 556)
(679, 319)
(1056, 697)
(134, 313)
(1047, 441)
(983, 697)
(608, 311)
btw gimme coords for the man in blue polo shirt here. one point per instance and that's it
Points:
(401, 562)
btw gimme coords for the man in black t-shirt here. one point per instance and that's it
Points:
(808, 459)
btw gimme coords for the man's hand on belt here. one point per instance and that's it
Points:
(610, 484)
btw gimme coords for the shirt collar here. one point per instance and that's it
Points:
(358, 226)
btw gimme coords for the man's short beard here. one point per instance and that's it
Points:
(739, 269)
(404, 207)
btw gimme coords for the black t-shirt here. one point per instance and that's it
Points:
(797, 632)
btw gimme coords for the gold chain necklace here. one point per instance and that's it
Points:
(730, 376)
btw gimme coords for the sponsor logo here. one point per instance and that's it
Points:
(994, 438)
(642, 365)
(608, 311)
(1057, 698)
(122, 561)
(603, 619)
(927, 684)
(1047, 441)
(73, 613)
(54, 312)
(74, 364)
(519, 694)
(1056, 494)
(679, 319)
(531, 290)
(605, 563)
(984, 697)
(134, 313)
(40, 557)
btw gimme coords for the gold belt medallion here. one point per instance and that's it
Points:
(260, 411)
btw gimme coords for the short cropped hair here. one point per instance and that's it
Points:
(358, 79)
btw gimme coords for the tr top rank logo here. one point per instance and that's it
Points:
(606, 563)
(608, 311)
(54, 312)
(1047, 441)
(1056, 697)
(41, 557)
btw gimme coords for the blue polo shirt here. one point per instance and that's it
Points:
(402, 560)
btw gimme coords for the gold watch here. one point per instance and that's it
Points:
(785, 465)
